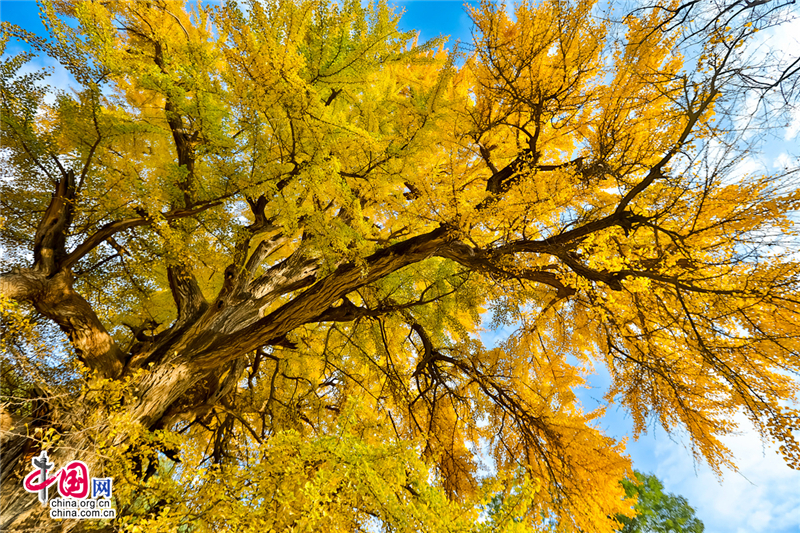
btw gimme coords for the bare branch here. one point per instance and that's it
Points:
(112, 228)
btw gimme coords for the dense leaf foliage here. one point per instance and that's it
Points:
(274, 235)
(656, 511)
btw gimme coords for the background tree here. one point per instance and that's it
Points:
(656, 511)
(269, 236)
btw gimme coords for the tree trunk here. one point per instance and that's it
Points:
(20, 510)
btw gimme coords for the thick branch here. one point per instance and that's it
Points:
(345, 279)
(185, 291)
(346, 312)
(240, 272)
(199, 354)
(428, 351)
(624, 219)
(264, 249)
(55, 298)
(20, 285)
(294, 273)
(482, 261)
(51, 234)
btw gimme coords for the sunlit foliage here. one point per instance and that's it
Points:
(276, 236)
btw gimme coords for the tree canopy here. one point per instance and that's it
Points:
(657, 512)
(249, 257)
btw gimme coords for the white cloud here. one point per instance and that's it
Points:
(744, 120)
(783, 161)
(747, 167)
(762, 497)
(793, 128)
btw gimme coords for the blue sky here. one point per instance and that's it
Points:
(436, 19)
(764, 495)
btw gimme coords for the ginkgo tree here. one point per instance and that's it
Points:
(249, 256)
